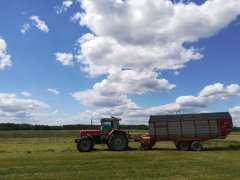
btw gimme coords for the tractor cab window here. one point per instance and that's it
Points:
(107, 126)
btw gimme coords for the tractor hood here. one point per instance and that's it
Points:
(90, 132)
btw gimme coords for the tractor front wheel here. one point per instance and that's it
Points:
(85, 145)
(118, 142)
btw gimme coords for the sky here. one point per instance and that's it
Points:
(70, 61)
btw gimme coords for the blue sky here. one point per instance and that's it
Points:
(65, 62)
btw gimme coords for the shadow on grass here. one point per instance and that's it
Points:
(135, 149)
(230, 147)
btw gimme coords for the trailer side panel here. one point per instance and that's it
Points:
(202, 126)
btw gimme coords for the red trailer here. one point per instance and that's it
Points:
(187, 131)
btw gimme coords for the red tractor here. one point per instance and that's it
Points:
(109, 133)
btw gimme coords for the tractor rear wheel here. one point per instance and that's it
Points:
(118, 142)
(85, 145)
(183, 145)
(196, 146)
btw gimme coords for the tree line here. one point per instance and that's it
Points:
(13, 126)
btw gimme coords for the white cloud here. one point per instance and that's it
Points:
(130, 34)
(18, 110)
(235, 109)
(132, 82)
(54, 112)
(9, 102)
(25, 28)
(41, 25)
(65, 6)
(235, 112)
(130, 43)
(5, 59)
(95, 98)
(99, 54)
(75, 17)
(176, 73)
(210, 93)
(113, 90)
(219, 91)
(65, 58)
(26, 94)
(54, 91)
(134, 114)
(140, 19)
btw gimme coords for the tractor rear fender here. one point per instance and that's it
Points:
(115, 131)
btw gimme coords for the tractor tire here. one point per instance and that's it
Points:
(196, 146)
(85, 145)
(183, 145)
(118, 142)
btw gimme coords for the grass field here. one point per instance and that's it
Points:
(53, 155)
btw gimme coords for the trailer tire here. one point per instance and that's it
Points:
(118, 142)
(183, 145)
(85, 145)
(196, 146)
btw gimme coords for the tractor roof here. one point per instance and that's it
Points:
(112, 118)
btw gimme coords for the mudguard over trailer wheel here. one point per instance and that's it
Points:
(118, 142)
(196, 146)
(85, 145)
(183, 145)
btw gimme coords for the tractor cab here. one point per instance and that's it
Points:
(108, 124)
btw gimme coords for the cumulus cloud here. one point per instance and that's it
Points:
(25, 28)
(41, 25)
(219, 91)
(140, 19)
(5, 58)
(65, 58)
(64, 7)
(235, 112)
(54, 91)
(26, 94)
(132, 42)
(99, 54)
(130, 34)
(184, 104)
(75, 17)
(14, 109)
(235, 109)
(95, 98)
(210, 93)
(9, 102)
(113, 90)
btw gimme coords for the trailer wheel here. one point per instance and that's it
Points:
(183, 145)
(118, 142)
(85, 145)
(196, 146)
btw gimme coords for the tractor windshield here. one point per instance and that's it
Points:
(108, 124)
(106, 127)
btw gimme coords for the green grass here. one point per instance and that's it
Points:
(53, 155)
